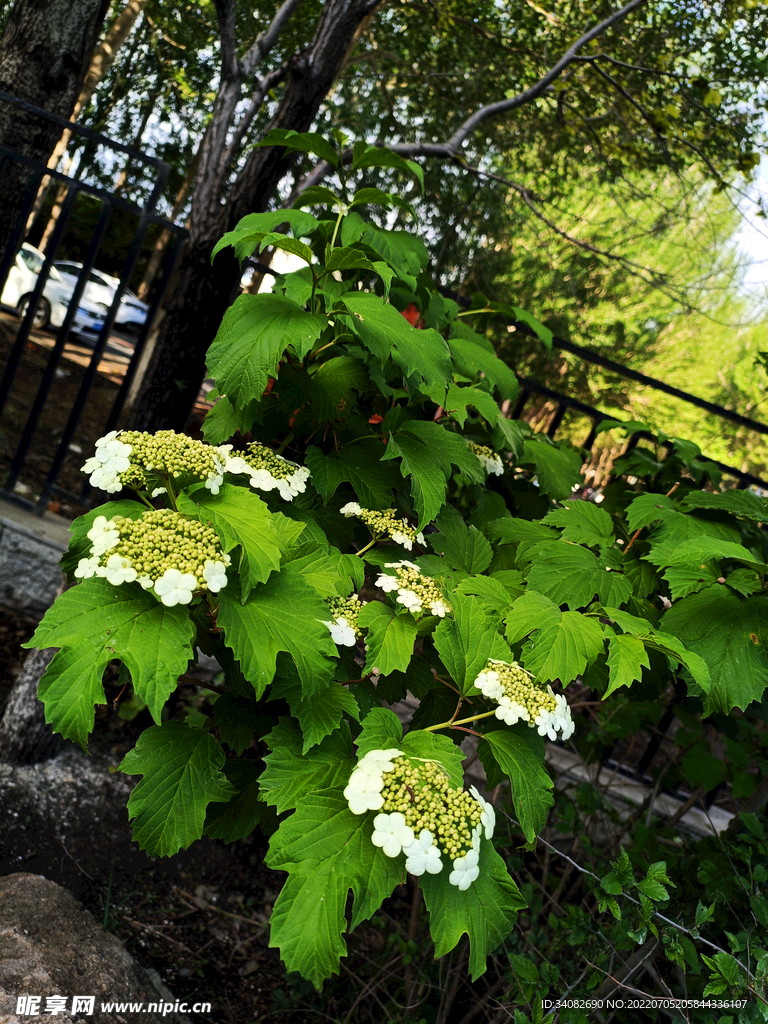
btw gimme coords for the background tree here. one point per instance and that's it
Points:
(45, 51)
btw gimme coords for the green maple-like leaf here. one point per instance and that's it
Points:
(284, 614)
(557, 467)
(648, 508)
(572, 575)
(530, 780)
(358, 465)
(241, 519)
(702, 549)
(474, 360)
(583, 522)
(428, 451)
(390, 638)
(182, 775)
(381, 730)
(328, 851)
(95, 622)
(251, 229)
(676, 529)
(289, 774)
(254, 334)
(244, 812)
(319, 714)
(433, 747)
(627, 658)
(685, 580)
(664, 642)
(738, 503)
(563, 643)
(463, 547)
(486, 912)
(730, 633)
(386, 333)
(466, 640)
(494, 594)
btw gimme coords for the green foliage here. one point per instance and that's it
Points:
(392, 430)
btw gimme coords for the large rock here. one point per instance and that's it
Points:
(51, 946)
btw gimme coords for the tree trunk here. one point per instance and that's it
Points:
(101, 62)
(45, 52)
(204, 290)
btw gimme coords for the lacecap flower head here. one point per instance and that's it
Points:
(343, 625)
(414, 591)
(385, 523)
(491, 461)
(131, 458)
(422, 816)
(267, 470)
(521, 698)
(173, 555)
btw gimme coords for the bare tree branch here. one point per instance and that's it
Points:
(266, 40)
(267, 82)
(494, 109)
(226, 12)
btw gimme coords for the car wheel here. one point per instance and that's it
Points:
(42, 313)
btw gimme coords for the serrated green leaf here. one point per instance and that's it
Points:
(285, 243)
(386, 333)
(290, 775)
(237, 720)
(473, 361)
(563, 643)
(466, 640)
(373, 156)
(358, 465)
(404, 252)
(744, 581)
(486, 912)
(378, 197)
(302, 142)
(463, 547)
(182, 775)
(241, 519)
(428, 451)
(390, 638)
(333, 386)
(530, 780)
(328, 851)
(730, 633)
(317, 195)
(676, 529)
(349, 258)
(558, 468)
(490, 593)
(254, 334)
(381, 730)
(737, 502)
(702, 549)
(685, 580)
(95, 622)
(572, 575)
(626, 660)
(318, 715)
(224, 420)
(663, 642)
(244, 813)
(647, 509)
(252, 228)
(583, 522)
(525, 534)
(284, 614)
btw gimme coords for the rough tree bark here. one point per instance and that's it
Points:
(45, 52)
(204, 291)
(25, 736)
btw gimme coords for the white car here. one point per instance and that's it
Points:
(53, 303)
(101, 288)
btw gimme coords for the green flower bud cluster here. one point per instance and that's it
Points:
(520, 697)
(343, 626)
(163, 550)
(123, 458)
(267, 470)
(385, 523)
(415, 591)
(490, 460)
(422, 793)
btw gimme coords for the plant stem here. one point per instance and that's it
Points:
(462, 721)
(367, 546)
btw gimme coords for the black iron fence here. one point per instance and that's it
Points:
(36, 446)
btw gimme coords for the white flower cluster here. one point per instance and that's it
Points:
(490, 460)
(422, 816)
(267, 470)
(385, 524)
(415, 591)
(130, 458)
(344, 628)
(162, 551)
(521, 699)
